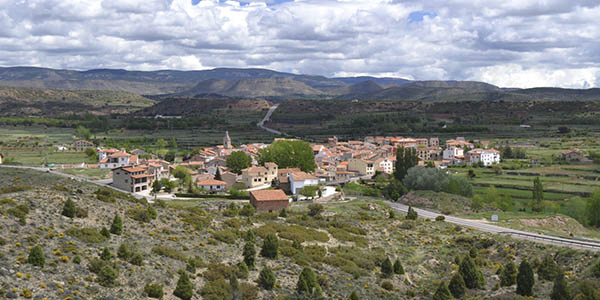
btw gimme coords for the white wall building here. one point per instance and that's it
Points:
(451, 152)
(486, 156)
(299, 180)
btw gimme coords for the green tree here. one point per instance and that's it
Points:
(471, 274)
(398, 269)
(247, 210)
(309, 191)
(315, 209)
(289, 154)
(237, 161)
(270, 246)
(593, 209)
(183, 175)
(154, 290)
(442, 293)
(406, 158)
(476, 203)
(548, 269)
(106, 255)
(538, 195)
(525, 279)
(83, 132)
(185, 288)
(161, 144)
(560, 290)
(266, 278)
(353, 296)
(105, 232)
(387, 270)
(69, 208)
(394, 190)
(123, 252)
(156, 187)
(91, 154)
(308, 284)
(412, 214)
(117, 225)
(508, 276)
(108, 276)
(457, 286)
(218, 174)
(36, 257)
(249, 254)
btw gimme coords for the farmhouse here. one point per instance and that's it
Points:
(269, 200)
(573, 155)
(257, 176)
(299, 180)
(131, 179)
(212, 185)
(81, 145)
(118, 159)
(485, 156)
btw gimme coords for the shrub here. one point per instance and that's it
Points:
(440, 218)
(69, 209)
(233, 223)
(398, 269)
(105, 255)
(117, 225)
(249, 254)
(308, 284)
(283, 213)
(457, 286)
(525, 279)
(247, 210)
(95, 265)
(217, 289)
(412, 214)
(76, 260)
(225, 236)
(548, 269)
(442, 293)
(387, 269)
(560, 290)
(153, 290)
(86, 234)
(315, 209)
(270, 246)
(107, 276)
(595, 270)
(266, 278)
(36, 257)
(105, 232)
(353, 296)
(169, 252)
(508, 276)
(185, 288)
(136, 259)
(193, 263)
(471, 274)
(386, 285)
(123, 252)
(142, 215)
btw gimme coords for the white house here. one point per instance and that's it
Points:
(486, 156)
(118, 159)
(451, 152)
(299, 180)
(212, 185)
(384, 165)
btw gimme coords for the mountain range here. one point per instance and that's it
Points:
(273, 85)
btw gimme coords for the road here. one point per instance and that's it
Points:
(267, 117)
(560, 241)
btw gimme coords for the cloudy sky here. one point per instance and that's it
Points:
(511, 43)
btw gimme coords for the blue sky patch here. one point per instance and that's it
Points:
(417, 16)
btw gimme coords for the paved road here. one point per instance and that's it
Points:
(267, 117)
(560, 241)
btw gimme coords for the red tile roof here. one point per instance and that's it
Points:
(269, 195)
(212, 182)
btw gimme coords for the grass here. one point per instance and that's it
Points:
(87, 173)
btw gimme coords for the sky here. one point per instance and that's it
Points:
(509, 43)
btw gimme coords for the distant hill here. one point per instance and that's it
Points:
(195, 107)
(49, 102)
(253, 88)
(383, 81)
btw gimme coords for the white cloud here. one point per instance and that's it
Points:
(517, 43)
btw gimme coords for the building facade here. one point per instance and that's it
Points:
(269, 200)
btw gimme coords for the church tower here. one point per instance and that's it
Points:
(227, 141)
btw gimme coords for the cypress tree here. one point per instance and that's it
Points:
(508, 276)
(548, 269)
(457, 286)
(69, 209)
(185, 288)
(442, 293)
(117, 225)
(538, 195)
(218, 174)
(471, 274)
(406, 158)
(249, 255)
(266, 278)
(398, 269)
(307, 283)
(560, 290)
(353, 296)
(270, 246)
(525, 279)
(36, 257)
(387, 269)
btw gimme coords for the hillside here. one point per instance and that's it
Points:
(346, 246)
(49, 102)
(194, 107)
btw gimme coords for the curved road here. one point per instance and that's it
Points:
(560, 241)
(267, 117)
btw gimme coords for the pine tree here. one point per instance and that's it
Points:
(387, 270)
(508, 276)
(471, 274)
(266, 278)
(249, 255)
(106, 255)
(525, 279)
(69, 209)
(398, 269)
(36, 257)
(117, 225)
(218, 174)
(123, 252)
(104, 232)
(270, 246)
(457, 286)
(442, 293)
(185, 288)
(560, 290)
(353, 296)
(307, 283)
(548, 269)
(250, 237)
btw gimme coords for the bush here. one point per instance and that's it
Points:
(560, 289)
(471, 274)
(308, 284)
(247, 210)
(457, 286)
(442, 293)
(107, 276)
(432, 179)
(548, 269)
(508, 276)
(117, 225)
(266, 278)
(143, 215)
(398, 269)
(36, 257)
(412, 214)
(86, 234)
(136, 259)
(69, 209)
(315, 209)
(105, 232)
(123, 252)
(153, 290)
(525, 279)
(105, 255)
(169, 252)
(249, 254)
(270, 246)
(386, 285)
(387, 270)
(225, 236)
(440, 218)
(185, 288)
(217, 289)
